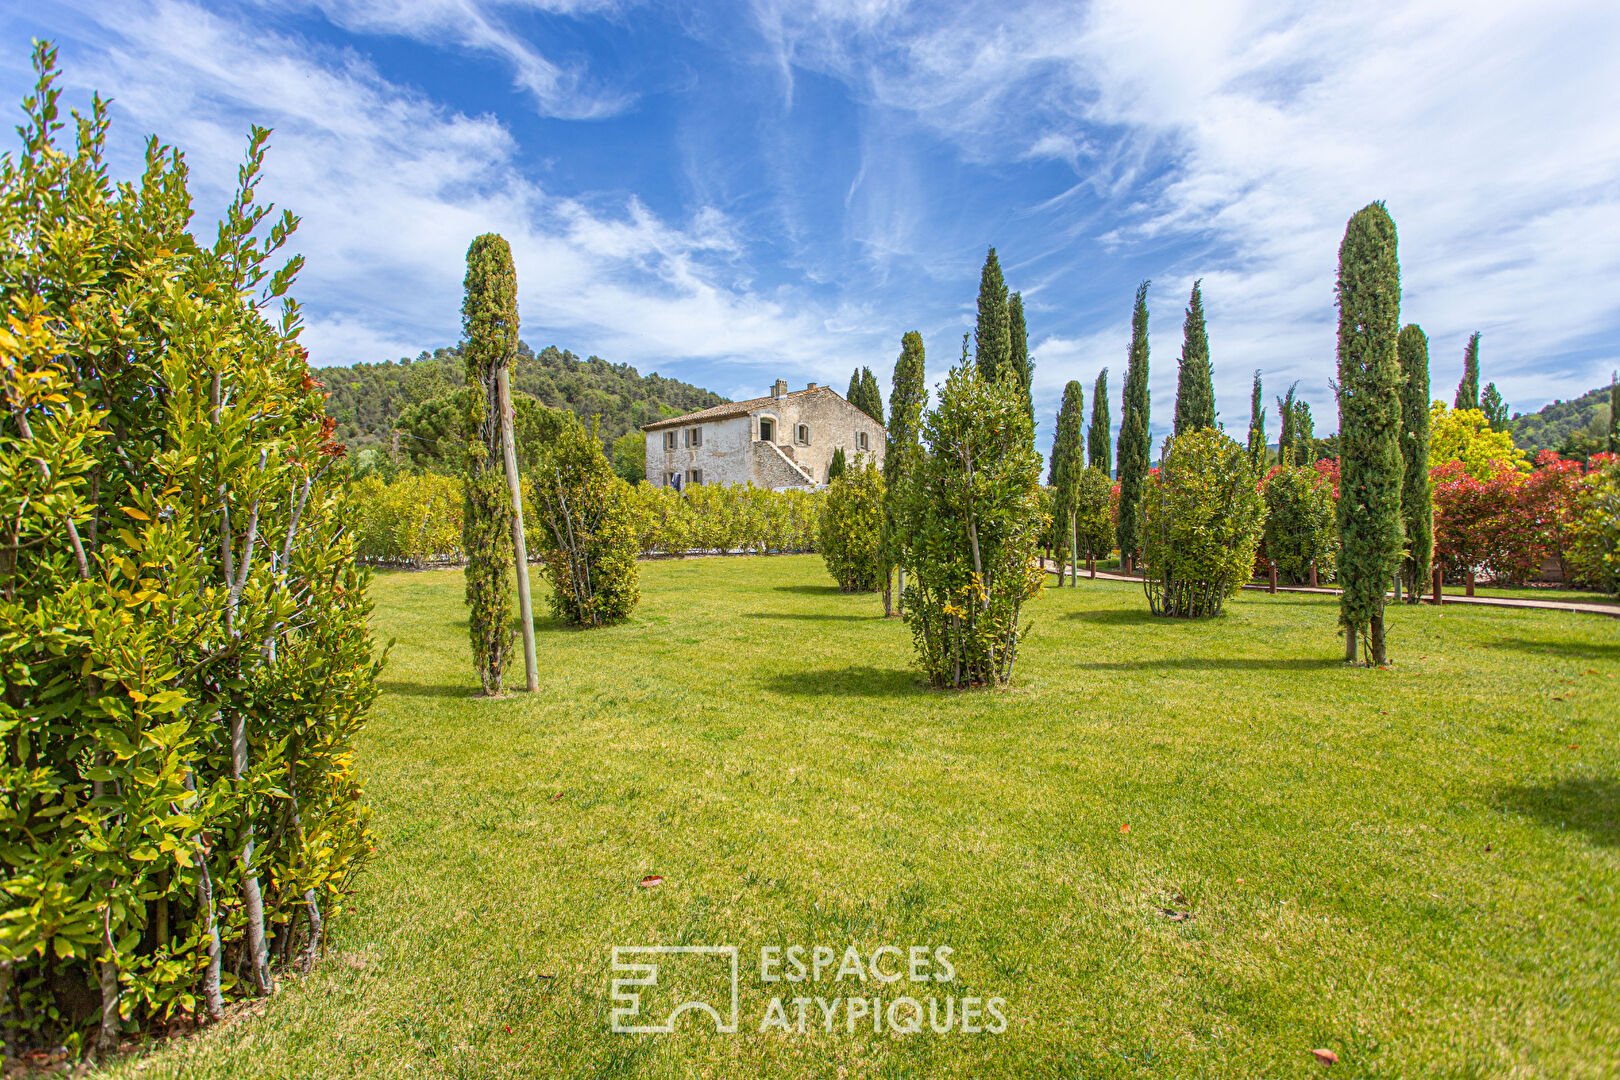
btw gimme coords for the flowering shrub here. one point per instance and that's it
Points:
(1486, 523)
(1594, 531)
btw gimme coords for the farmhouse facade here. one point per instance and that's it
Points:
(783, 440)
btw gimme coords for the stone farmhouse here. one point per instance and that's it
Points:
(784, 440)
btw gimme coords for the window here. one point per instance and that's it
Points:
(670, 440)
(860, 440)
(802, 435)
(694, 436)
(767, 429)
(694, 477)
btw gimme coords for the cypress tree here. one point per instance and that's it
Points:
(836, 467)
(1468, 388)
(1285, 417)
(1417, 512)
(1614, 413)
(490, 325)
(1494, 408)
(1257, 428)
(1019, 360)
(871, 396)
(853, 394)
(1068, 462)
(1195, 382)
(1371, 469)
(908, 394)
(992, 339)
(1097, 446)
(1304, 445)
(1135, 436)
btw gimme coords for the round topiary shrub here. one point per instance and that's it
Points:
(1300, 523)
(1202, 519)
(852, 528)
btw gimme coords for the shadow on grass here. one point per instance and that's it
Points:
(854, 681)
(1213, 663)
(1568, 650)
(810, 617)
(811, 590)
(1588, 803)
(1115, 616)
(427, 690)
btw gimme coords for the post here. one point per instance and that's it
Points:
(519, 547)
(1313, 574)
(1468, 582)
(1273, 588)
(1438, 590)
(1074, 548)
(1091, 565)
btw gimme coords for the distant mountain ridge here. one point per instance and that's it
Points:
(1575, 428)
(367, 399)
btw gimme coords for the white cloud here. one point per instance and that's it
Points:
(392, 187)
(1243, 136)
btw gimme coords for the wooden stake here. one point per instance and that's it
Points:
(520, 550)
(1439, 589)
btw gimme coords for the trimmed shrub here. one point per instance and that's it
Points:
(413, 522)
(1301, 527)
(971, 512)
(183, 622)
(1202, 522)
(584, 523)
(1094, 513)
(852, 528)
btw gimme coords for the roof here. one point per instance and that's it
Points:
(734, 408)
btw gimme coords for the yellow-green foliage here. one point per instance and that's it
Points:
(724, 518)
(582, 520)
(183, 621)
(1465, 435)
(414, 521)
(1202, 520)
(1594, 550)
(852, 528)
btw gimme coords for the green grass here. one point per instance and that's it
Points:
(1418, 868)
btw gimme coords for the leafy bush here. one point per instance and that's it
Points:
(1488, 523)
(852, 528)
(414, 521)
(971, 513)
(1466, 435)
(1095, 502)
(1594, 536)
(183, 629)
(1300, 524)
(1202, 521)
(584, 522)
(724, 518)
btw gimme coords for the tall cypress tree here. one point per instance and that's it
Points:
(1135, 433)
(1195, 382)
(1304, 432)
(871, 396)
(1285, 417)
(1371, 468)
(1494, 408)
(1614, 413)
(992, 336)
(1097, 445)
(1257, 428)
(1417, 511)
(908, 394)
(490, 326)
(1068, 462)
(853, 394)
(1018, 354)
(1468, 388)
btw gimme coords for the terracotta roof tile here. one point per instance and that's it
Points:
(729, 409)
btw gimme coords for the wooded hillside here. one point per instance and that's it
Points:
(1574, 427)
(367, 399)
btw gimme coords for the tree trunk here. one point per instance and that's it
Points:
(519, 547)
(1349, 644)
(900, 578)
(1074, 550)
(252, 898)
(107, 1036)
(1376, 640)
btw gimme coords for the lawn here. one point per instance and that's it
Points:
(1417, 868)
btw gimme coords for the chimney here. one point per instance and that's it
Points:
(812, 386)
(779, 389)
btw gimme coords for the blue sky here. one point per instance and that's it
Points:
(732, 192)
